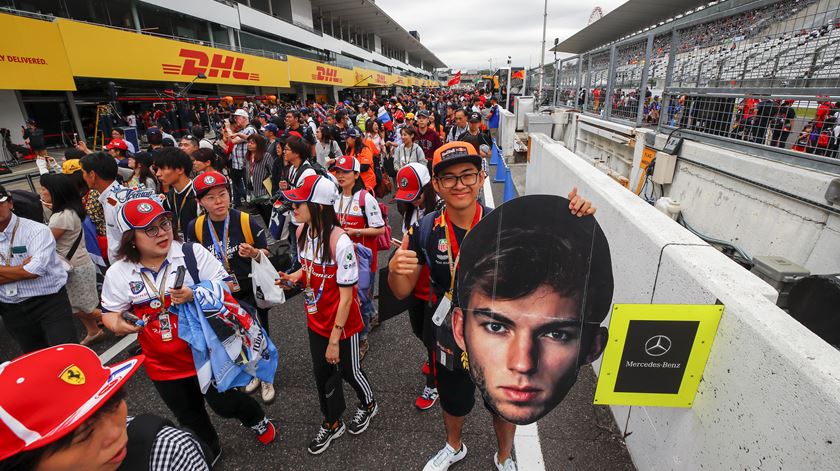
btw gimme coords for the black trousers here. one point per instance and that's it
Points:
(348, 351)
(41, 321)
(417, 315)
(184, 399)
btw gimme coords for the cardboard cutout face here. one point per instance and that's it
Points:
(534, 285)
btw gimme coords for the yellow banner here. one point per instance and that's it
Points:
(96, 51)
(372, 78)
(656, 354)
(307, 71)
(32, 56)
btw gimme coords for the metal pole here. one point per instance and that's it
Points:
(588, 80)
(643, 86)
(558, 78)
(608, 100)
(542, 55)
(507, 92)
(74, 111)
(578, 79)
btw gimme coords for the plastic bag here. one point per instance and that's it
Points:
(263, 275)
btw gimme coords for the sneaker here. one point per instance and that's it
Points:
(325, 436)
(267, 392)
(362, 418)
(252, 386)
(364, 346)
(265, 430)
(427, 370)
(508, 465)
(374, 321)
(445, 458)
(428, 399)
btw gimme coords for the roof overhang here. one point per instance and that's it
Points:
(631, 17)
(366, 15)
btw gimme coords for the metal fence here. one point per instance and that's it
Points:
(764, 77)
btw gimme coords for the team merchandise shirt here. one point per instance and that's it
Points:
(226, 249)
(325, 279)
(126, 289)
(352, 215)
(429, 142)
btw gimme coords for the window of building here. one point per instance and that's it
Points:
(261, 5)
(45, 7)
(220, 34)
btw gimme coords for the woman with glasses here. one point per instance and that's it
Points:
(234, 238)
(359, 215)
(136, 296)
(329, 275)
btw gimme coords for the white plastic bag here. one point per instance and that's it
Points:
(263, 275)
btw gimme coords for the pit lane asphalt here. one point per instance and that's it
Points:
(577, 435)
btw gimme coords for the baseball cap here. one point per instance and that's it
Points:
(241, 112)
(409, 115)
(153, 130)
(207, 181)
(423, 113)
(30, 385)
(475, 117)
(139, 213)
(347, 164)
(271, 127)
(452, 153)
(304, 110)
(71, 166)
(315, 189)
(117, 144)
(354, 132)
(4, 194)
(410, 181)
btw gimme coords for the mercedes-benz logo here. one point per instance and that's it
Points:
(657, 345)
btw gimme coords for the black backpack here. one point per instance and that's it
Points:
(27, 205)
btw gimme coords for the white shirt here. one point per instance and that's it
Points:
(131, 120)
(403, 155)
(349, 206)
(32, 239)
(347, 274)
(124, 285)
(111, 210)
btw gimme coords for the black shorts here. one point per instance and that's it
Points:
(456, 390)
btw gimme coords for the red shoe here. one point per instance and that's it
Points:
(426, 369)
(266, 431)
(426, 400)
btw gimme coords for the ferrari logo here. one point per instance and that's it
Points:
(73, 375)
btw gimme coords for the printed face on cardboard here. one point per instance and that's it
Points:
(534, 285)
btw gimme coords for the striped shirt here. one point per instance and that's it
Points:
(240, 151)
(175, 449)
(257, 172)
(31, 239)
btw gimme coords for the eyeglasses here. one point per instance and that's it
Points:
(449, 181)
(153, 231)
(223, 196)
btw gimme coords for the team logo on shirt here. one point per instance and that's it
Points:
(442, 245)
(73, 375)
(403, 182)
(136, 286)
(145, 207)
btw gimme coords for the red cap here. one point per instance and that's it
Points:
(117, 144)
(410, 181)
(346, 163)
(45, 395)
(207, 181)
(138, 213)
(315, 188)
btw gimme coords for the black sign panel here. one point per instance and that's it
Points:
(655, 356)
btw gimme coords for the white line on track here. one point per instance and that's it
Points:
(528, 450)
(117, 348)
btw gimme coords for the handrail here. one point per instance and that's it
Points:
(29, 177)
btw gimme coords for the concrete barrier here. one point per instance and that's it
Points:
(507, 132)
(770, 394)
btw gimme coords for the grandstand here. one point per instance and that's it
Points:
(729, 50)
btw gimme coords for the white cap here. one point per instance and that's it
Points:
(241, 112)
(315, 189)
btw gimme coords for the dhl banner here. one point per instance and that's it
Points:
(32, 57)
(307, 71)
(371, 78)
(96, 51)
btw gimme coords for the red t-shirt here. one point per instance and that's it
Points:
(429, 142)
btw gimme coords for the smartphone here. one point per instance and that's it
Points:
(396, 242)
(290, 284)
(132, 319)
(75, 138)
(179, 277)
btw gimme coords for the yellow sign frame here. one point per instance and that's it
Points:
(708, 317)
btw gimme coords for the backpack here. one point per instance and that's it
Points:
(27, 205)
(383, 241)
(244, 224)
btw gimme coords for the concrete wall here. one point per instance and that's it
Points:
(725, 194)
(770, 394)
(507, 132)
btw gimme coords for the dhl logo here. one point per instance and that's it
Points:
(197, 62)
(380, 78)
(324, 74)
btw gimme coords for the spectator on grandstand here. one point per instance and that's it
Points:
(33, 299)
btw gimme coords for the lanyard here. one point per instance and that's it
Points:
(344, 213)
(452, 246)
(158, 291)
(181, 207)
(309, 267)
(221, 248)
(7, 259)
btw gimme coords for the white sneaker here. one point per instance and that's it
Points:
(508, 465)
(267, 393)
(446, 458)
(252, 386)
